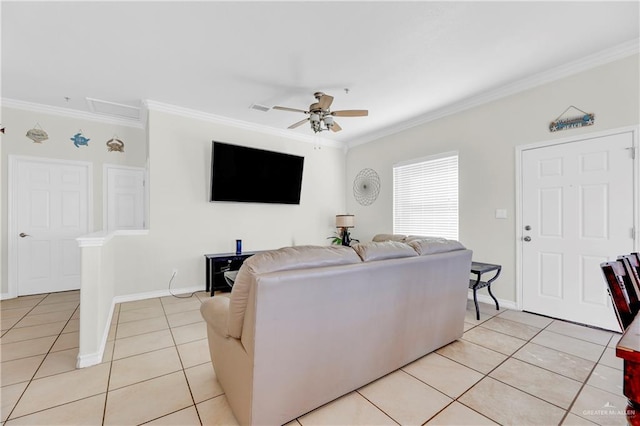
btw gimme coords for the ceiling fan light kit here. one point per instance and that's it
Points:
(320, 116)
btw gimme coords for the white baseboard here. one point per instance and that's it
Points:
(153, 294)
(95, 358)
(485, 298)
(90, 359)
(5, 296)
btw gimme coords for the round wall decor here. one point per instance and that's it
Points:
(366, 186)
(37, 134)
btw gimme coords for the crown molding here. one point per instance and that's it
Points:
(603, 57)
(245, 125)
(72, 113)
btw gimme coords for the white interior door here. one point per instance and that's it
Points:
(125, 198)
(577, 211)
(51, 210)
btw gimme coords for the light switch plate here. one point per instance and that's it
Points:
(501, 213)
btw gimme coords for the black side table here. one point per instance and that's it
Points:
(479, 269)
(217, 264)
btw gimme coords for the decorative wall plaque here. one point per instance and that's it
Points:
(37, 134)
(586, 119)
(366, 187)
(79, 139)
(115, 145)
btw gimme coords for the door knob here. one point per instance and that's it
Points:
(22, 235)
(527, 238)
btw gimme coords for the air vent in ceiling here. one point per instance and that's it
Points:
(259, 107)
(113, 109)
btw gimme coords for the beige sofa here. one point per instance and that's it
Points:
(305, 325)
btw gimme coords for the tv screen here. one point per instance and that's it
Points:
(243, 174)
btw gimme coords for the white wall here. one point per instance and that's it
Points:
(486, 137)
(59, 146)
(184, 225)
(96, 300)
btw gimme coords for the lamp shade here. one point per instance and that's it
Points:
(345, 221)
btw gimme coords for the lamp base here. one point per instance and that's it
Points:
(346, 238)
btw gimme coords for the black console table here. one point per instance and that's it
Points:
(217, 264)
(479, 269)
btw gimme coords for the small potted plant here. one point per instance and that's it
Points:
(336, 240)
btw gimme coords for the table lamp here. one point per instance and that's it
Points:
(344, 222)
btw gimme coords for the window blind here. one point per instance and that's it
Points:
(425, 197)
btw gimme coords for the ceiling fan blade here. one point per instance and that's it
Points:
(336, 127)
(325, 101)
(298, 124)
(351, 113)
(289, 109)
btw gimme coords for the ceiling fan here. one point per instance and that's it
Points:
(320, 117)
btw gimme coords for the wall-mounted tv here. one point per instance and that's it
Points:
(250, 175)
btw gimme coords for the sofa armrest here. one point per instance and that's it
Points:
(215, 312)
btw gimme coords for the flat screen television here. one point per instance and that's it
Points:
(250, 175)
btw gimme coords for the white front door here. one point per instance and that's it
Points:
(51, 209)
(577, 211)
(125, 199)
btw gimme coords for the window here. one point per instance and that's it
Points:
(425, 196)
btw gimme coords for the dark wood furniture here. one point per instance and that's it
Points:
(479, 268)
(217, 264)
(628, 348)
(620, 289)
(623, 284)
(631, 263)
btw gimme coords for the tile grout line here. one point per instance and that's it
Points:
(567, 411)
(595, 365)
(39, 366)
(453, 399)
(109, 376)
(484, 375)
(23, 317)
(371, 402)
(583, 383)
(106, 396)
(547, 347)
(184, 372)
(456, 399)
(162, 375)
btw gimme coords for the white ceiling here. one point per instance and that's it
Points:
(403, 61)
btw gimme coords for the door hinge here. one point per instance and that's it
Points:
(633, 232)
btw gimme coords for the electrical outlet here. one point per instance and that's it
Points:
(175, 272)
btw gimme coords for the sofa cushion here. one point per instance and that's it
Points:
(286, 258)
(378, 250)
(422, 237)
(389, 237)
(300, 257)
(431, 245)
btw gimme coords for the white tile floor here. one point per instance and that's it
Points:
(509, 368)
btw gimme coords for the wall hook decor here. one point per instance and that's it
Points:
(37, 134)
(586, 119)
(115, 145)
(366, 186)
(79, 139)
